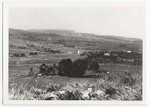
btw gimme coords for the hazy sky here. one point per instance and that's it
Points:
(120, 21)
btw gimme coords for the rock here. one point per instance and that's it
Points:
(100, 92)
(61, 92)
(39, 74)
(51, 96)
(85, 95)
(90, 89)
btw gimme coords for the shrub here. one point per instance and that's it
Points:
(68, 95)
(110, 93)
(43, 69)
(127, 79)
(77, 95)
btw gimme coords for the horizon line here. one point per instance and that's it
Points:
(80, 32)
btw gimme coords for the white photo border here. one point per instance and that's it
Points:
(5, 47)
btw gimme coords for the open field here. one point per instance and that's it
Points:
(18, 79)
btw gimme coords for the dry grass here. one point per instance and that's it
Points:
(127, 87)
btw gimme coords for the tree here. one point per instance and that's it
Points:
(72, 69)
(79, 67)
(64, 67)
(94, 66)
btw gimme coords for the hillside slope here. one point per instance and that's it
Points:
(72, 39)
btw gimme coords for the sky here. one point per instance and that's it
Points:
(120, 20)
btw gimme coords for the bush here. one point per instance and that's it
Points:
(110, 91)
(127, 79)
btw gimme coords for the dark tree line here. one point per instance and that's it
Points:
(77, 68)
(66, 67)
(132, 58)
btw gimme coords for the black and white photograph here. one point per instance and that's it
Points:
(79, 52)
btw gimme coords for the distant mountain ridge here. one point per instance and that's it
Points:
(73, 38)
(65, 32)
